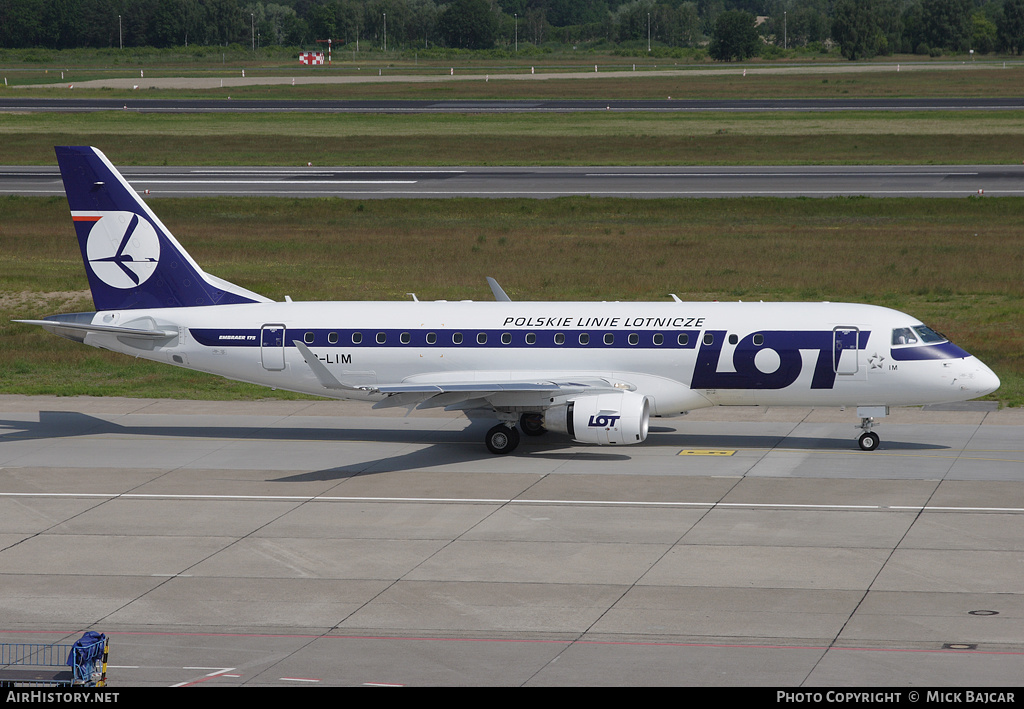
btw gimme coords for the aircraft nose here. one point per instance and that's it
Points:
(985, 380)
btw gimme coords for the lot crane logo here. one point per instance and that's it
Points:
(123, 250)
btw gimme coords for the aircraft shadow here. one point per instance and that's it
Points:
(445, 447)
(790, 442)
(63, 424)
(436, 456)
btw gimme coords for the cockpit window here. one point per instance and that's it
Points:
(919, 334)
(929, 336)
(903, 336)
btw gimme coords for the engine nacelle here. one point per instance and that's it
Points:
(614, 418)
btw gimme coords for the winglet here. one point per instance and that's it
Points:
(323, 375)
(499, 294)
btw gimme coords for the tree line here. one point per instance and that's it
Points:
(728, 29)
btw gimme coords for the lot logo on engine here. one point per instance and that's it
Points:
(603, 420)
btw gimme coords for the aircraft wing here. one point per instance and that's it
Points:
(482, 394)
(469, 393)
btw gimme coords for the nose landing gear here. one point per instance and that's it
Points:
(869, 440)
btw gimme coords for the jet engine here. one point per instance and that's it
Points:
(614, 418)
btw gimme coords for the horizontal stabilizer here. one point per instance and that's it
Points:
(82, 329)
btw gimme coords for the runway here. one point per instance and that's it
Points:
(547, 182)
(294, 543)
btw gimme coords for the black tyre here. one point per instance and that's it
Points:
(502, 439)
(532, 424)
(868, 441)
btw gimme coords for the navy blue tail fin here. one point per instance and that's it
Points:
(131, 258)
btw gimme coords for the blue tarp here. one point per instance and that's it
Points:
(84, 653)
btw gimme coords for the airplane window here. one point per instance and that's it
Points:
(559, 339)
(481, 338)
(709, 338)
(929, 336)
(431, 338)
(584, 338)
(506, 338)
(333, 338)
(381, 338)
(406, 338)
(683, 339)
(733, 339)
(759, 339)
(634, 338)
(658, 338)
(457, 338)
(531, 338)
(903, 336)
(357, 337)
(609, 338)
(308, 338)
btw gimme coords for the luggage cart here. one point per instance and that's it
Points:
(32, 664)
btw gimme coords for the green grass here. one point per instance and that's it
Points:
(586, 138)
(796, 76)
(594, 138)
(956, 264)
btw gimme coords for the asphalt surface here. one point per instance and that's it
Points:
(297, 543)
(546, 182)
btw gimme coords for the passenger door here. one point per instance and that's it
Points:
(272, 347)
(846, 352)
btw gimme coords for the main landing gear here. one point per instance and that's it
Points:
(532, 424)
(504, 438)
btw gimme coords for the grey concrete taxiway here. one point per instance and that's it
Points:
(296, 543)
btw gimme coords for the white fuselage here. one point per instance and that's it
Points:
(681, 355)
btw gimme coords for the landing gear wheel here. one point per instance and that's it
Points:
(868, 441)
(532, 424)
(502, 439)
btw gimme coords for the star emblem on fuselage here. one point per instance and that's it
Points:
(876, 360)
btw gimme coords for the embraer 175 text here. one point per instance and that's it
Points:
(594, 371)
